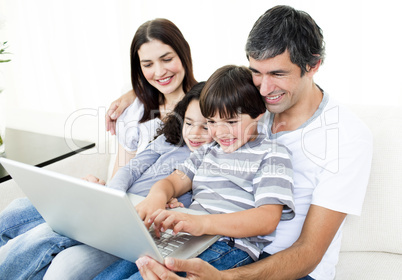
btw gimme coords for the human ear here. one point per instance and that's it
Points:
(311, 70)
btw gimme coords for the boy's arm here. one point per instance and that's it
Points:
(161, 192)
(252, 222)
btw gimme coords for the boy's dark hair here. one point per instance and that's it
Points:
(173, 125)
(230, 91)
(283, 28)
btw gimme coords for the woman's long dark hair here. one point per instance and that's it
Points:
(173, 126)
(168, 33)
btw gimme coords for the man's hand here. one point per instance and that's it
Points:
(196, 269)
(116, 109)
(93, 179)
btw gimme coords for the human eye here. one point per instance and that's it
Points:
(210, 122)
(147, 65)
(232, 122)
(254, 72)
(167, 59)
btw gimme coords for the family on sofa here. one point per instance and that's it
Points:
(330, 148)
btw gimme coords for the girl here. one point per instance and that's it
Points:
(184, 131)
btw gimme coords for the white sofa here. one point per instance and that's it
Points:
(372, 243)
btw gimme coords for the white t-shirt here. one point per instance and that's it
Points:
(131, 134)
(331, 160)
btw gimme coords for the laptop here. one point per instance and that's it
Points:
(98, 216)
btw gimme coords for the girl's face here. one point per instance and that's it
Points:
(195, 131)
(162, 67)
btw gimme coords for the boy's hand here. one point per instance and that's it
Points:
(93, 179)
(178, 222)
(147, 207)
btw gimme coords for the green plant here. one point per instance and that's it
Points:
(3, 48)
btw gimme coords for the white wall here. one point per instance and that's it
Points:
(71, 57)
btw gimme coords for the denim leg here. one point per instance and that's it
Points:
(121, 269)
(306, 278)
(79, 262)
(29, 255)
(222, 256)
(19, 217)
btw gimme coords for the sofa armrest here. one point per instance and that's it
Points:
(79, 165)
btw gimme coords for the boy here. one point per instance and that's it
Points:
(242, 179)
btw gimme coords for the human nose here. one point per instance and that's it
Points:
(160, 70)
(198, 131)
(266, 85)
(222, 129)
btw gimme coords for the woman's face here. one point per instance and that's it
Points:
(195, 131)
(162, 67)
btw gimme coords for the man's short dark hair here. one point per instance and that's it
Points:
(283, 28)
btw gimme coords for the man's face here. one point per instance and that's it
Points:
(279, 82)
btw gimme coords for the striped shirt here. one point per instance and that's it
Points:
(258, 173)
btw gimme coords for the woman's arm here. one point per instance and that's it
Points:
(116, 109)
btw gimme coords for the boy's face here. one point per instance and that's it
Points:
(233, 133)
(195, 131)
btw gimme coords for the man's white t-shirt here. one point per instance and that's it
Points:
(331, 157)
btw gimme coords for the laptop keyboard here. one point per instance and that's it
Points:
(168, 242)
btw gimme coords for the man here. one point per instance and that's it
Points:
(331, 150)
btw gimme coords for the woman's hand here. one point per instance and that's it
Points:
(116, 109)
(93, 179)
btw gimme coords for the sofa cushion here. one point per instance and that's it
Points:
(380, 228)
(368, 265)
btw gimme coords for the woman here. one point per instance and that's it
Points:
(161, 73)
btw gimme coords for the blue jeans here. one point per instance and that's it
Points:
(79, 262)
(28, 255)
(19, 217)
(220, 255)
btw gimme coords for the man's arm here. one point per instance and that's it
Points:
(303, 256)
(116, 109)
(297, 261)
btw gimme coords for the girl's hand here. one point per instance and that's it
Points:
(178, 222)
(174, 203)
(93, 179)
